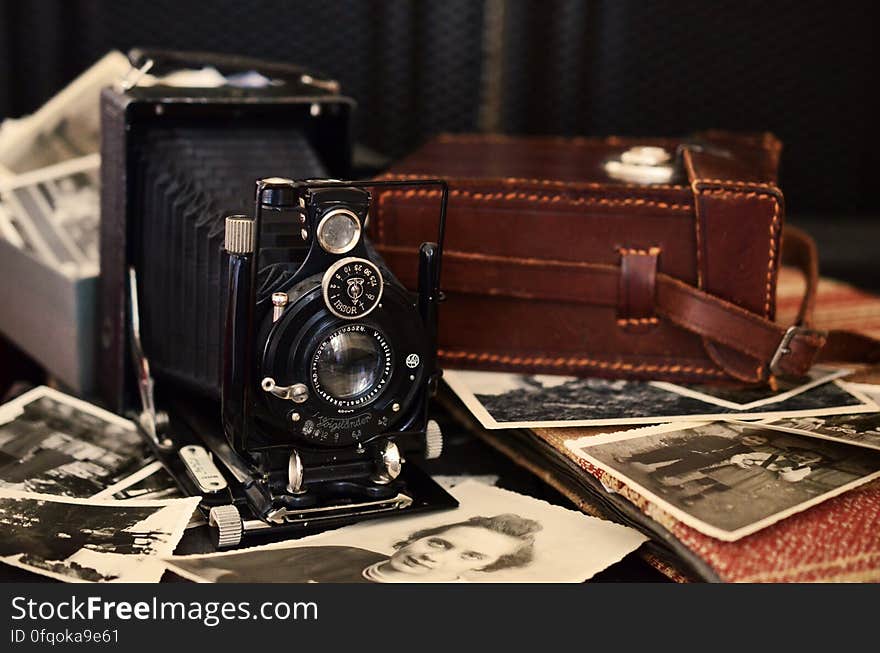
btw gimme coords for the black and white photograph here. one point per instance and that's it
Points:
(54, 444)
(450, 481)
(861, 430)
(870, 389)
(501, 400)
(744, 397)
(66, 127)
(89, 540)
(725, 479)
(55, 214)
(150, 482)
(494, 536)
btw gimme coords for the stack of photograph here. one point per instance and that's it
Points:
(730, 483)
(80, 498)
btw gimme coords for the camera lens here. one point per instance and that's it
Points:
(338, 231)
(348, 364)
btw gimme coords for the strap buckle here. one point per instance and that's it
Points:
(783, 349)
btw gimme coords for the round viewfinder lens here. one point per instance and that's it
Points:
(338, 231)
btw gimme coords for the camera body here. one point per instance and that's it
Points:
(282, 380)
(329, 361)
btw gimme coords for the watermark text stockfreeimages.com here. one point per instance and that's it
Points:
(208, 613)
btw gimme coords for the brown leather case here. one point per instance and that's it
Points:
(552, 266)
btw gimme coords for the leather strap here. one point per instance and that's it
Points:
(638, 288)
(775, 349)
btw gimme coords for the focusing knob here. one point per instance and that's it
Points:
(433, 440)
(239, 235)
(227, 521)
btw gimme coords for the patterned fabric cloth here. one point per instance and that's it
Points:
(838, 305)
(837, 540)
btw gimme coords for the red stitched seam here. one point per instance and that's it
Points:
(638, 320)
(773, 233)
(543, 182)
(699, 237)
(721, 192)
(577, 362)
(535, 197)
(733, 182)
(653, 251)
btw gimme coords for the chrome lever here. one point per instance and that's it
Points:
(292, 516)
(297, 393)
(151, 420)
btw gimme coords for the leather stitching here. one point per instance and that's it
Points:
(542, 198)
(733, 182)
(770, 263)
(653, 251)
(687, 158)
(577, 362)
(633, 251)
(570, 185)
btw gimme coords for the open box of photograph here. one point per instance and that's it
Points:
(49, 267)
(49, 219)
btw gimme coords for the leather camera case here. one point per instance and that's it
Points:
(552, 266)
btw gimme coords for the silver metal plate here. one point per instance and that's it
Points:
(306, 515)
(202, 469)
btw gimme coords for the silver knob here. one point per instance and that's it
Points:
(295, 474)
(389, 464)
(279, 301)
(239, 234)
(227, 521)
(433, 440)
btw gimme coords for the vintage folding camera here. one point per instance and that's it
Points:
(281, 371)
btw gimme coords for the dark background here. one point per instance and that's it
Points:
(803, 69)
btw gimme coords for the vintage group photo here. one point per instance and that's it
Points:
(728, 479)
(505, 400)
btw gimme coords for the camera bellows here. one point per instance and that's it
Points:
(187, 181)
(239, 234)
